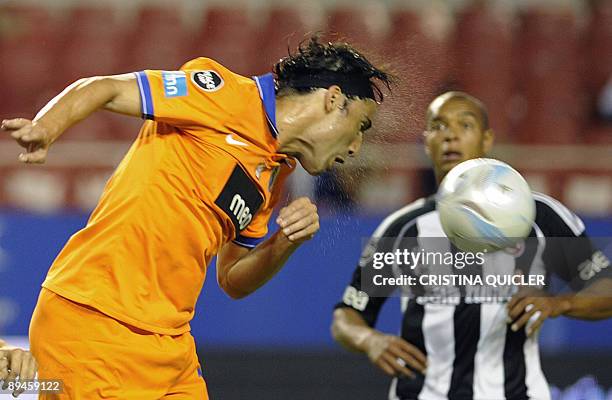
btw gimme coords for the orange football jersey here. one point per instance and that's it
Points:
(203, 171)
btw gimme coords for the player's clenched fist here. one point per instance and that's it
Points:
(394, 355)
(299, 221)
(31, 136)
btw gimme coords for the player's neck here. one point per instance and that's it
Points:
(293, 116)
(439, 176)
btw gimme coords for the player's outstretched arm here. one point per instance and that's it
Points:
(118, 93)
(16, 363)
(392, 354)
(241, 271)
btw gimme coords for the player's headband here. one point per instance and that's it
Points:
(360, 87)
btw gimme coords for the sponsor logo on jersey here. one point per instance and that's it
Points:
(591, 267)
(175, 83)
(208, 81)
(241, 211)
(230, 140)
(355, 298)
(240, 199)
(259, 169)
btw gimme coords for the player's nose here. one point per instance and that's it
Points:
(451, 133)
(355, 146)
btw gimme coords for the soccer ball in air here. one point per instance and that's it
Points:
(485, 205)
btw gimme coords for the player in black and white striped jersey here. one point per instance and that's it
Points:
(472, 349)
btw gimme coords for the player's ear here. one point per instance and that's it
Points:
(334, 98)
(488, 137)
(426, 138)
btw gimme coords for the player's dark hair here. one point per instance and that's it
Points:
(320, 65)
(443, 98)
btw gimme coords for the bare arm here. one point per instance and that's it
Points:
(392, 354)
(118, 93)
(350, 330)
(594, 302)
(240, 272)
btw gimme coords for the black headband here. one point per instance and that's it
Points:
(360, 87)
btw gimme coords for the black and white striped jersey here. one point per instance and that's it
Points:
(472, 353)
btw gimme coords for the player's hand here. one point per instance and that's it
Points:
(32, 136)
(394, 355)
(299, 221)
(536, 306)
(16, 363)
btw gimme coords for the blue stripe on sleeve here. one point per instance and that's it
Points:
(145, 95)
(247, 241)
(142, 97)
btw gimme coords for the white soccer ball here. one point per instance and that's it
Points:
(485, 205)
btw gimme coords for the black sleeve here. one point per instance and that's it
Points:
(397, 231)
(364, 298)
(569, 252)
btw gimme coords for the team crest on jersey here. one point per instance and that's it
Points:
(208, 81)
(259, 169)
(368, 252)
(273, 177)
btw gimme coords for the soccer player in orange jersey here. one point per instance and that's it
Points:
(201, 179)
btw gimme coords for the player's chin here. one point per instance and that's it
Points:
(316, 172)
(446, 166)
(311, 167)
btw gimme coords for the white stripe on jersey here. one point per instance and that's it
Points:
(537, 386)
(400, 237)
(393, 390)
(440, 345)
(570, 219)
(397, 215)
(489, 359)
(537, 266)
(429, 225)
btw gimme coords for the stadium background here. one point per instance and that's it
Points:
(544, 68)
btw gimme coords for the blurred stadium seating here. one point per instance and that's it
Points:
(538, 68)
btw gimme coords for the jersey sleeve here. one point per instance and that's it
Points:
(396, 232)
(570, 252)
(361, 295)
(257, 230)
(202, 93)
(364, 299)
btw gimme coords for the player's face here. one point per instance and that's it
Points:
(455, 134)
(337, 134)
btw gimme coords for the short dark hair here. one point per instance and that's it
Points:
(443, 98)
(325, 63)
